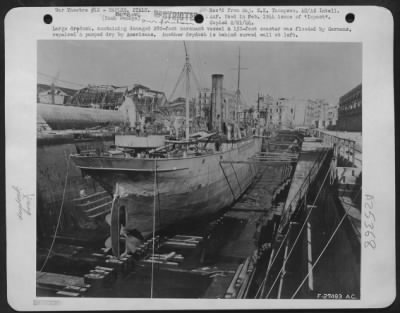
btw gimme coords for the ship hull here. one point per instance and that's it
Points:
(156, 193)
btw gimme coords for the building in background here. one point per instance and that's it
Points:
(300, 111)
(277, 114)
(50, 94)
(147, 99)
(290, 113)
(177, 107)
(319, 113)
(203, 105)
(53, 96)
(350, 110)
(264, 102)
(105, 97)
(309, 115)
(332, 117)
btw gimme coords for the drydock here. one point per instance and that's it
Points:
(294, 227)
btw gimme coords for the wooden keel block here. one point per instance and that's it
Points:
(76, 289)
(108, 269)
(68, 293)
(106, 250)
(108, 277)
(129, 262)
(95, 280)
(99, 255)
(116, 264)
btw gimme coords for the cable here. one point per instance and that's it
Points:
(59, 218)
(60, 80)
(167, 69)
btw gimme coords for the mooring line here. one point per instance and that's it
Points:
(237, 179)
(230, 187)
(59, 218)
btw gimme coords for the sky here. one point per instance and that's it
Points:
(281, 69)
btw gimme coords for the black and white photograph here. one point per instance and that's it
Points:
(199, 169)
(180, 158)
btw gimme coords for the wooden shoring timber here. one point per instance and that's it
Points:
(99, 200)
(100, 213)
(276, 156)
(94, 195)
(274, 159)
(277, 153)
(292, 155)
(60, 281)
(257, 162)
(99, 207)
(281, 143)
(252, 209)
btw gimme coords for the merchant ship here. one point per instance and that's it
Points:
(181, 179)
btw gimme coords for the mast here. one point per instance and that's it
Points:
(187, 84)
(184, 77)
(238, 92)
(238, 89)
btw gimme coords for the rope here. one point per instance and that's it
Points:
(230, 187)
(115, 197)
(59, 218)
(299, 233)
(237, 179)
(154, 227)
(323, 250)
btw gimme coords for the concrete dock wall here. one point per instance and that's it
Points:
(52, 163)
(338, 269)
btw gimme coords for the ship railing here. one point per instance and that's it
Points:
(351, 147)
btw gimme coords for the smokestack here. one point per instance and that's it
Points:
(217, 102)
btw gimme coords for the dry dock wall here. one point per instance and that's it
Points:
(338, 270)
(52, 164)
